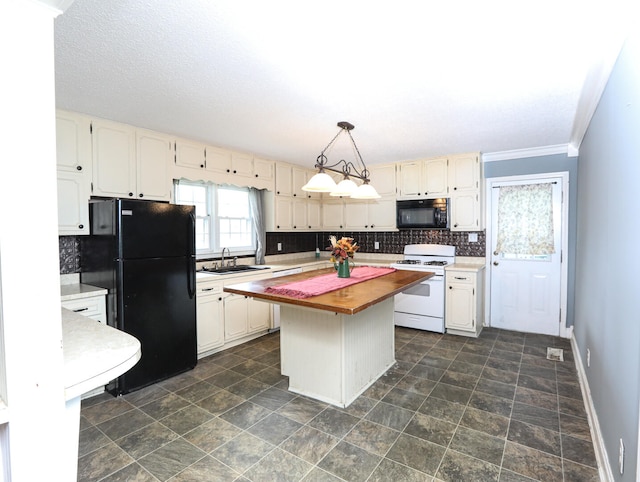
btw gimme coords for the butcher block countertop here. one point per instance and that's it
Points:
(349, 300)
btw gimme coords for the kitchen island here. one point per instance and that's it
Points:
(335, 345)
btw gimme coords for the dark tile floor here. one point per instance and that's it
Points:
(452, 409)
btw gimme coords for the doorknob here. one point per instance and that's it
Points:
(496, 253)
(495, 263)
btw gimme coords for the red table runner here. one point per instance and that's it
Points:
(327, 282)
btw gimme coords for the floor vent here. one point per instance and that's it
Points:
(555, 354)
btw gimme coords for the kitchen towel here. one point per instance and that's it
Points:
(327, 282)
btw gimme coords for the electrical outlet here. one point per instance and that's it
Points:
(473, 237)
(279, 246)
(621, 457)
(588, 358)
(376, 245)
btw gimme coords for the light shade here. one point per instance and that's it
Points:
(365, 191)
(320, 182)
(346, 187)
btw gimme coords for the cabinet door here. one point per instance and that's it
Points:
(283, 179)
(258, 315)
(299, 214)
(382, 213)
(464, 173)
(410, 179)
(114, 165)
(356, 214)
(314, 214)
(436, 177)
(73, 142)
(465, 212)
(218, 160)
(153, 154)
(283, 213)
(241, 164)
(189, 154)
(210, 321)
(73, 203)
(460, 305)
(235, 317)
(263, 169)
(333, 214)
(383, 178)
(298, 179)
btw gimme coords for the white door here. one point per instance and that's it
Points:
(527, 289)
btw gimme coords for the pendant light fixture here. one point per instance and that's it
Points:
(323, 182)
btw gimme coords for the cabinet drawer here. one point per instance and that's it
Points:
(461, 278)
(84, 306)
(204, 289)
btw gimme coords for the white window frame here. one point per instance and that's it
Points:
(215, 249)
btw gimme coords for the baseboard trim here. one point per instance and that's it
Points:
(604, 468)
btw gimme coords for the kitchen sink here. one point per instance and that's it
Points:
(233, 269)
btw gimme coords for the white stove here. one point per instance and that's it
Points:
(422, 306)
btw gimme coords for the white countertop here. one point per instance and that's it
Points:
(78, 290)
(470, 266)
(94, 353)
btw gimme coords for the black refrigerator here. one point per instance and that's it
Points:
(143, 253)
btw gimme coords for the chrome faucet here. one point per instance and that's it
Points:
(222, 260)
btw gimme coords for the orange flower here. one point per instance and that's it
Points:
(342, 249)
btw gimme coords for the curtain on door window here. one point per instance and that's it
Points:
(525, 219)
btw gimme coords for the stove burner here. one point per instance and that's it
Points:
(436, 263)
(408, 261)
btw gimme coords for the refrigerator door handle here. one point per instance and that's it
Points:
(191, 261)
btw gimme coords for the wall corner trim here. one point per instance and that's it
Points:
(604, 468)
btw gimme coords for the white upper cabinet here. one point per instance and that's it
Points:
(410, 181)
(464, 172)
(114, 159)
(467, 200)
(73, 142)
(263, 169)
(189, 154)
(383, 179)
(436, 177)
(153, 153)
(298, 179)
(218, 160)
(74, 166)
(241, 164)
(284, 182)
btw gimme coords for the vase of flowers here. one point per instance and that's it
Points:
(341, 251)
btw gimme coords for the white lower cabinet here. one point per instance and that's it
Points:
(244, 316)
(464, 296)
(91, 306)
(209, 316)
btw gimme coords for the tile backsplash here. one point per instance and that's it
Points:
(391, 242)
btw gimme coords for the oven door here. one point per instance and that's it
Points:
(421, 306)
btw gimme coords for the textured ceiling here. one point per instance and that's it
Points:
(417, 79)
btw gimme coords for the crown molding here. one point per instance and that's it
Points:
(522, 153)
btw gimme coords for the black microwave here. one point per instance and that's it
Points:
(423, 213)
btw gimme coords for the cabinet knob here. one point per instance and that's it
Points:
(373, 226)
(495, 263)
(130, 194)
(366, 225)
(294, 194)
(234, 171)
(278, 226)
(220, 299)
(455, 225)
(80, 226)
(309, 227)
(450, 287)
(341, 226)
(295, 227)
(141, 195)
(256, 175)
(277, 192)
(228, 170)
(202, 166)
(455, 188)
(79, 168)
